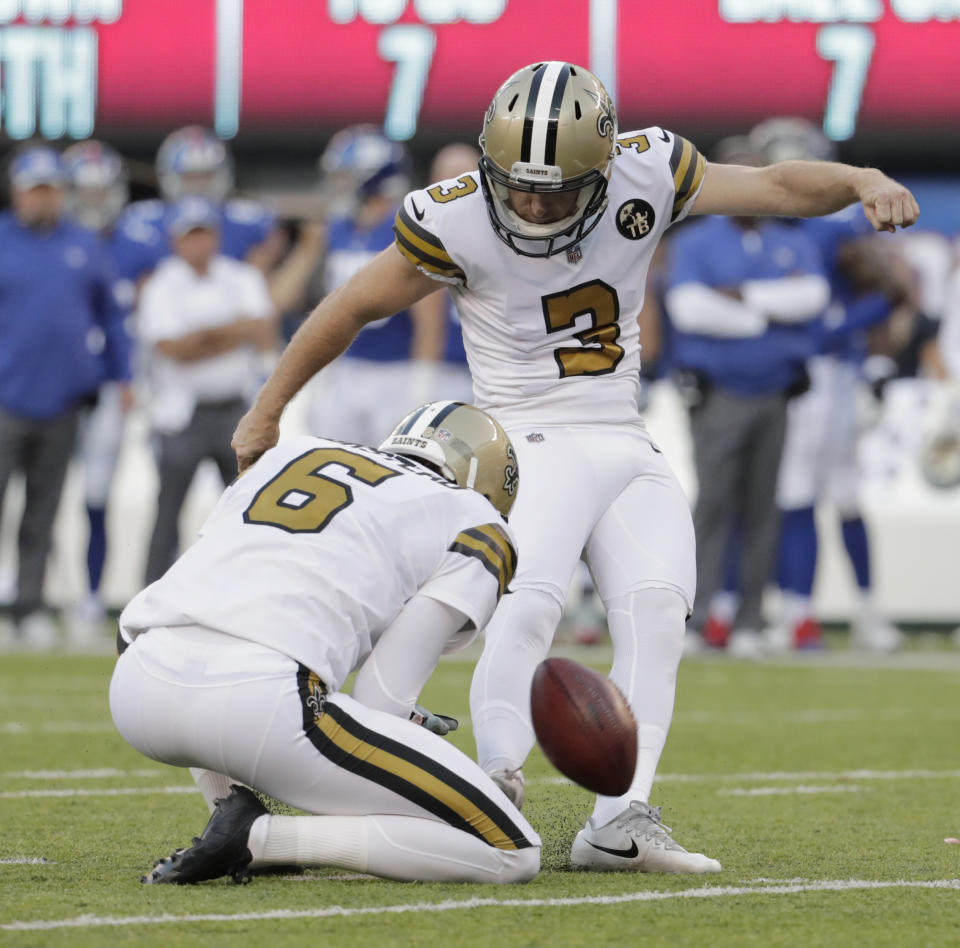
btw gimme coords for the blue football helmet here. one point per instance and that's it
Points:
(360, 162)
(97, 187)
(193, 160)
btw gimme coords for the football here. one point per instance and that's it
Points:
(584, 726)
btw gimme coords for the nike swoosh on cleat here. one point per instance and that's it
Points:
(625, 853)
(417, 212)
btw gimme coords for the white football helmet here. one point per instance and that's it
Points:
(464, 444)
(551, 128)
(192, 160)
(783, 138)
(360, 162)
(97, 188)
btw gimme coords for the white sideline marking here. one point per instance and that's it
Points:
(26, 861)
(786, 791)
(88, 792)
(101, 772)
(705, 892)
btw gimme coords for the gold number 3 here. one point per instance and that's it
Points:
(599, 353)
(300, 499)
(465, 185)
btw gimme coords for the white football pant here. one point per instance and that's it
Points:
(612, 494)
(393, 799)
(819, 459)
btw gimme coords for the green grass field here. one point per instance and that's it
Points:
(826, 788)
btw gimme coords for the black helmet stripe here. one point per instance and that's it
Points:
(550, 147)
(527, 137)
(412, 420)
(538, 143)
(440, 415)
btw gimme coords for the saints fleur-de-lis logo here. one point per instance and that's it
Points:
(606, 115)
(511, 474)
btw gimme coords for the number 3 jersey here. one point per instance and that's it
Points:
(315, 550)
(555, 340)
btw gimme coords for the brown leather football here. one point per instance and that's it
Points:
(584, 726)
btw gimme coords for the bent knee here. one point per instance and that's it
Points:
(521, 865)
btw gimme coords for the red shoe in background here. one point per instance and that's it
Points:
(716, 633)
(808, 635)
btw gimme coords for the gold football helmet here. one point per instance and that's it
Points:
(464, 444)
(551, 129)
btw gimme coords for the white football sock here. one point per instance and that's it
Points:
(212, 785)
(794, 608)
(517, 639)
(396, 847)
(647, 629)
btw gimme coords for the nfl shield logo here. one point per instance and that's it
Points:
(574, 254)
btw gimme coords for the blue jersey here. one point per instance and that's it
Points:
(349, 248)
(849, 313)
(715, 253)
(243, 225)
(454, 351)
(61, 325)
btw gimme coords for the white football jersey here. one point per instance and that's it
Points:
(555, 340)
(317, 547)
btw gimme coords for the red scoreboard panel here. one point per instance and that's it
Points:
(72, 68)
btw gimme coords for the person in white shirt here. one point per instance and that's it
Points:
(324, 558)
(204, 321)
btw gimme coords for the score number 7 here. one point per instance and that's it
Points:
(849, 47)
(411, 47)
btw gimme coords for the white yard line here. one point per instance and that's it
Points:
(96, 774)
(89, 792)
(787, 791)
(26, 861)
(812, 715)
(705, 892)
(801, 777)
(775, 775)
(57, 727)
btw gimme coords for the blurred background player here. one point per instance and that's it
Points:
(97, 193)
(820, 452)
(63, 336)
(205, 318)
(194, 161)
(741, 294)
(364, 176)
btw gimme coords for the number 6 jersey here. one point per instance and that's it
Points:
(317, 547)
(554, 340)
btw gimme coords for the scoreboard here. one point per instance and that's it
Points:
(289, 68)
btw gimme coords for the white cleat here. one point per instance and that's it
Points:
(38, 632)
(511, 783)
(635, 841)
(745, 643)
(872, 634)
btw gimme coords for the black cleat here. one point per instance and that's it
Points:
(221, 850)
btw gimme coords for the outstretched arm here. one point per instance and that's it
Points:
(385, 285)
(805, 189)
